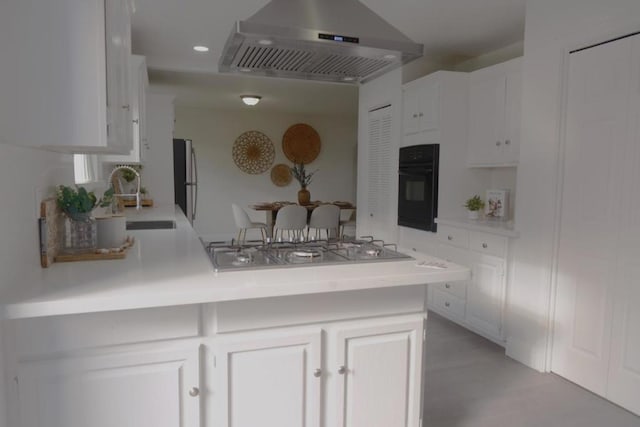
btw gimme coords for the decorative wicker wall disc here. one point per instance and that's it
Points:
(253, 152)
(281, 175)
(301, 143)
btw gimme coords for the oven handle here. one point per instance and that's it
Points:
(415, 172)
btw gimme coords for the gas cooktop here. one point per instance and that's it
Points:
(230, 256)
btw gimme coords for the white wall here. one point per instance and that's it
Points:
(157, 174)
(222, 183)
(25, 176)
(553, 27)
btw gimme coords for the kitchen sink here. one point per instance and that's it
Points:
(151, 225)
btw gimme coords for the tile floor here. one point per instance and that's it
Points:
(470, 382)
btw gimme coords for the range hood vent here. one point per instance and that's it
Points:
(330, 40)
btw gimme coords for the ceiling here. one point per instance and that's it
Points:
(165, 31)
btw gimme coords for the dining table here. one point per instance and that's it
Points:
(271, 209)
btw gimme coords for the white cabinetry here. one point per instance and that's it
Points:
(597, 310)
(152, 388)
(479, 303)
(495, 98)
(64, 75)
(269, 378)
(379, 375)
(421, 106)
(138, 83)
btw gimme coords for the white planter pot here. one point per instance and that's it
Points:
(111, 231)
(473, 215)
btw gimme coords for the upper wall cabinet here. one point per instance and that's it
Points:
(64, 75)
(138, 84)
(421, 102)
(495, 96)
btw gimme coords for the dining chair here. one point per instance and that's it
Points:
(327, 218)
(244, 223)
(293, 220)
(349, 222)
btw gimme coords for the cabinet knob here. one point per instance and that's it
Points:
(194, 392)
(317, 373)
(446, 304)
(126, 107)
(420, 114)
(342, 370)
(136, 121)
(415, 115)
(448, 286)
(507, 142)
(371, 215)
(449, 237)
(498, 143)
(484, 245)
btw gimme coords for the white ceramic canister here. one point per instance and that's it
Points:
(112, 231)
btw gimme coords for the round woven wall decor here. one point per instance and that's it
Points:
(281, 175)
(253, 152)
(301, 143)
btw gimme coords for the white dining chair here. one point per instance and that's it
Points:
(327, 218)
(244, 223)
(348, 222)
(293, 220)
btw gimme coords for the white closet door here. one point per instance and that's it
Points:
(624, 370)
(596, 139)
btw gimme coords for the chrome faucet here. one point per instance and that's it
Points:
(137, 193)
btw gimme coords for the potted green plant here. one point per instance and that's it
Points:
(299, 172)
(474, 205)
(80, 231)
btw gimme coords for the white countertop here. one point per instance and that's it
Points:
(502, 228)
(170, 267)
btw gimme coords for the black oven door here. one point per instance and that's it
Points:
(417, 198)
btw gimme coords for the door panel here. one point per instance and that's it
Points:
(269, 381)
(486, 119)
(380, 386)
(485, 294)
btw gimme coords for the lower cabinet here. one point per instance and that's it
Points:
(268, 379)
(370, 373)
(147, 388)
(479, 303)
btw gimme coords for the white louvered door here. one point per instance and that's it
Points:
(381, 174)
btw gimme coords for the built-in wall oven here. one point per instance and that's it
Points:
(418, 186)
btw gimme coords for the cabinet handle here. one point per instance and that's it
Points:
(136, 121)
(507, 142)
(449, 237)
(342, 370)
(484, 245)
(448, 286)
(317, 373)
(126, 107)
(446, 304)
(498, 143)
(194, 392)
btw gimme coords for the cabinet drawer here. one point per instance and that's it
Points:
(447, 304)
(488, 243)
(453, 236)
(458, 289)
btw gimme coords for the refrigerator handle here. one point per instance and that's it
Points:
(194, 183)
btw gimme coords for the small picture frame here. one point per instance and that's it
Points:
(497, 205)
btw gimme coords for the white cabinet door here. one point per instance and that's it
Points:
(597, 126)
(379, 376)
(486, 118)
(269, 379)
(411, 110)
(510, 153)
(138, 83)
(485, 294)
(421, 106)
(154, 388)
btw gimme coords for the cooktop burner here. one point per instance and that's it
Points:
(227, 256)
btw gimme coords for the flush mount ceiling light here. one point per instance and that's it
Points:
(250, 99)
(201, 49)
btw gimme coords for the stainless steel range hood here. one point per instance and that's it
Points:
(330, 40)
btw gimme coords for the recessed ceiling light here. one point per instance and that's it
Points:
(201, 49)
(250, 99)
(389, 56)
(245, 70)
(348, 79)
(265, 42)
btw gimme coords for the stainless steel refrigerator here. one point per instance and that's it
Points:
(185, 177)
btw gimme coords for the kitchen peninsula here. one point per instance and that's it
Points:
(161, 339)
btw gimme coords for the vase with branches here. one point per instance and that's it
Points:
(299, 172)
